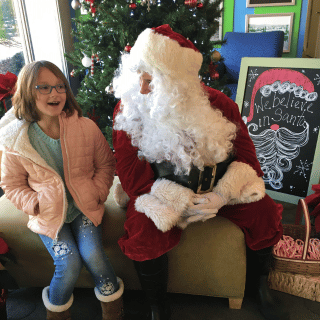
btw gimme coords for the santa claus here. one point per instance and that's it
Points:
(183, 155)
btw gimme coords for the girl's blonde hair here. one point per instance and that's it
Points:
(24, 99)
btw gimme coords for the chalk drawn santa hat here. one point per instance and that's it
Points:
(168, 51)
(284, 80)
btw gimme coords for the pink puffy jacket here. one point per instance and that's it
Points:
(28, 180)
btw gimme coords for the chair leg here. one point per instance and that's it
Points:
(235, 303)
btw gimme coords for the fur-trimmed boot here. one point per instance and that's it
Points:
(259, 265)
(153, 276)
(112, 305)
(56, 312)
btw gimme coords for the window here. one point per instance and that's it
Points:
(11, 48)
(35, 30)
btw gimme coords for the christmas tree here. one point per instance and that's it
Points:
(111, 27)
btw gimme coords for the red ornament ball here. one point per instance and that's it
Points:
(127, 48)
(200, 5)
(191, 3)
(132, 6)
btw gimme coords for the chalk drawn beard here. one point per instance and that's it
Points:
(276, 149)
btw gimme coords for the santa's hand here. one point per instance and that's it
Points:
(188, 218)
(208, 203)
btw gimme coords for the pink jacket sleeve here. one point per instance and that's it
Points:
(104, 165)
(14, 182)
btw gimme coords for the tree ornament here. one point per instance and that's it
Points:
(200, 5)
(132, 6)
(191, 3)
(214, 74)
(93, 116)
(86, 61)
(75, 4)
(109, 89)
(72, 73)
(215, 56)
(127, 48)
(92, 62)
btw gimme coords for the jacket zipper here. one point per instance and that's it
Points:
(65, 146)
(64, 213)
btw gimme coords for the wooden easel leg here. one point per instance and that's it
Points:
(235, 303)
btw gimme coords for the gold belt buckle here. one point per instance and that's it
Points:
(213, 176)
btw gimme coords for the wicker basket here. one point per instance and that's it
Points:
(302, 265)
(300, 285)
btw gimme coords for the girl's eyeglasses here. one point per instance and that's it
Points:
(46, 89)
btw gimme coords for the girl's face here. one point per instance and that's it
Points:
(49, 105)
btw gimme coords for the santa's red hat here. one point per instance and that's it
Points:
(168, 51)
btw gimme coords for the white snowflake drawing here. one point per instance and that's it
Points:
(253, 75)
(303, 168)
(317, 78)
(315, 130)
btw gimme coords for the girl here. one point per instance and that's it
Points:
(58, 168)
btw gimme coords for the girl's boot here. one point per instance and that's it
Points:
(112, 305)
(153, 276)
(56, 312)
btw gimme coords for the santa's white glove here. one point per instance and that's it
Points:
(205, 207)
(208, 203)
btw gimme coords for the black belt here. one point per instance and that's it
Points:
(198, 181)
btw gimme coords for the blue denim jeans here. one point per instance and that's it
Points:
(79, 243)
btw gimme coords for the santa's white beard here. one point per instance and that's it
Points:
(175, 123)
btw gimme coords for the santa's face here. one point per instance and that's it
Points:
(145, 80)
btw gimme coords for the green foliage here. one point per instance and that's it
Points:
(8, 28)
(115, 25)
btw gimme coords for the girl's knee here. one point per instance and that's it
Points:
(67, 261)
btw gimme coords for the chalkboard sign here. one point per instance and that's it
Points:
(279, 101)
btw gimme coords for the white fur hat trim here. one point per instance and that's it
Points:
(165, 54)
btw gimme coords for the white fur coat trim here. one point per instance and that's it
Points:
(240, 184)
(163, 216)
(14, 138)
(167, 55)
(172, 194)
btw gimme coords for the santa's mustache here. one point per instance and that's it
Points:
(276, 149)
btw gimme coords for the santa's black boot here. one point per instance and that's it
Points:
(153, 276)
(259, 264)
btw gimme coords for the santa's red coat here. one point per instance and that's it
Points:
(260, 221)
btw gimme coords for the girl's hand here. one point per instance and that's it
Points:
(36, 209)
